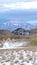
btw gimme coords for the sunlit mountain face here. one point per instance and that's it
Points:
(18, 18)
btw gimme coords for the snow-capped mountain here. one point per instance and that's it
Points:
(12, 26)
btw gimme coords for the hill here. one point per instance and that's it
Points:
(20, 31)
(33, 31)
(5, 34)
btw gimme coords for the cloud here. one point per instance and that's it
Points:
(12, 1)
(20, 5)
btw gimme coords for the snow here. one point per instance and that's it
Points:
(10, 45)
(5, 63)
(14, 45)
(20, 57)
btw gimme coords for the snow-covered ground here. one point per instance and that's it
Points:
(18, 57)
(13, 44)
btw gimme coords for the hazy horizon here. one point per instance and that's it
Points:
(17, 13)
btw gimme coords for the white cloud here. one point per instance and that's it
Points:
(21, 5)
(12, 1)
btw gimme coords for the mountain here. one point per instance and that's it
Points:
(5, 34)
(13, 19)
(20, 31)
(12, 26)
(17, 33)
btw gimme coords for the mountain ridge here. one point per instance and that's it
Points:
(17, 33)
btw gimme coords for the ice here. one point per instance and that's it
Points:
(12, 45)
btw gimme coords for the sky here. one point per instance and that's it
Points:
(17, 13)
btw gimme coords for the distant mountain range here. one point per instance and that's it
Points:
(13, 19)
(21, 31)
(12, 26)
